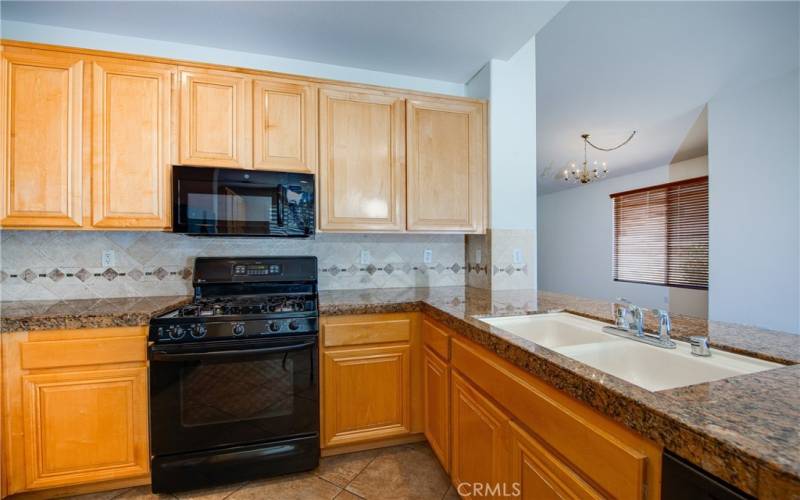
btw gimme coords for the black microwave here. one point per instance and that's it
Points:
(235, 202)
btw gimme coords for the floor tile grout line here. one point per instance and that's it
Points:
(380, 452)
(236, 490)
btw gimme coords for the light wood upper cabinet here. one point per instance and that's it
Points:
(362, 161)
(215, 118)
(77, 407)
(131, 143)
(284, 126)
(446, 166)
(42, 138)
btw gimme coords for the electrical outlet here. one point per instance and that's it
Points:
(478, 256)
(109, 259)
(427, 256)
(517, 256)
(365, 257)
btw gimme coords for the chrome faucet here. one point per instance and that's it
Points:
(629, 323)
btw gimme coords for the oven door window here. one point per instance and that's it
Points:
(202, 400)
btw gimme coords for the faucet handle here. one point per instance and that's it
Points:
(664, 323)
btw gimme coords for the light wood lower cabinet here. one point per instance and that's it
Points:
(42, 134)
(480, 451)
(132, 132)
(436, 398)
(75, 405)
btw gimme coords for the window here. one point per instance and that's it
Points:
(661, 234)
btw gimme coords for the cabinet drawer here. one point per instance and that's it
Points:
(366, 329)
(83, 352)
(436, 337)
(575, 431)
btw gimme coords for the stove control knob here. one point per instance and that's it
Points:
(293, 325)
(274, 326)
(177, 333)
(199, 331)
(238, 329)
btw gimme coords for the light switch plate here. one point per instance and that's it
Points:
(365, 257)
(427, 256)
(109, 258)
(517, 256)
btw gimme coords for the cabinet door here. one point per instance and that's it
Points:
(285, 126)
(436, 399)
(42, 139)
(446, 166)
(131, 143)
(362, 161)
(84, 426)
(539, 475)
(480, 453)
(366, 394)
(215, 118)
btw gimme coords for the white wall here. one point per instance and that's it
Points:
(28, 32)
(754, 170)
(576, 236)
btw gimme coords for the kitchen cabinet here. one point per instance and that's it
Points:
(436, 389)
(362, 161)
(371, 379)
(446, 165)
(76, 405)
(538, 473)
(215, 118)
(42, 138)
(480, 430)
(131, 137)
(285, 126)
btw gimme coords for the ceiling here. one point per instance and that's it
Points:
(607, 68)
(447, 41)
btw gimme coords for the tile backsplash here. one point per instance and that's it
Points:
(51, 265)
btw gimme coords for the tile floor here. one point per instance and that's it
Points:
(400, 472)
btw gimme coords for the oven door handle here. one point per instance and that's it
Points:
(222, 355)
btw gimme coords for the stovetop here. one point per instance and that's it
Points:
(259, 305)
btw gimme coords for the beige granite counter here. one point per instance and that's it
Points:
(743, 429)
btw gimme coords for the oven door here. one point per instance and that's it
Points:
(205, 396)
(235, 202)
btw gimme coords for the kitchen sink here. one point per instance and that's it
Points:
(652, 368)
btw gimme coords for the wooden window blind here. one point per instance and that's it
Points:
(661, 234)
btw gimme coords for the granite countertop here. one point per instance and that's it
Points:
(743, 429)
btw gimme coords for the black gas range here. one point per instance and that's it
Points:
(234, 380)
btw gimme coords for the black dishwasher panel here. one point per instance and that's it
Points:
(681, 481)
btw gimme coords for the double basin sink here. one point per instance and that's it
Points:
(652, 368)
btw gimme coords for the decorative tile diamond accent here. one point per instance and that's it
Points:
(160, 273)
(455, 268)
(352, 269)
(135, 274)
(371, 269)
(388, 268)
(28, 275)
(185, 273)
(439, 268)
(110, 274)
(3, 276)
(334, 270)
(406, 267)
(495, 269)
(56, 274)
(509, 269)
(83, 274)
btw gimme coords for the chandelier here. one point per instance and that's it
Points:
(586, 174)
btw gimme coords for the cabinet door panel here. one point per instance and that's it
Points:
(131, 143)
(285, 131)
(445, 166)
(366, 394)
(85, 426)
(538, 474)
(436, 383)
(215, 118)
(479, 439)
(42, 134)
(362, 167)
